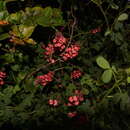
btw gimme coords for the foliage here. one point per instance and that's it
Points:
(65, 64)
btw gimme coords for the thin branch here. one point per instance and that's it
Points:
(106, 19)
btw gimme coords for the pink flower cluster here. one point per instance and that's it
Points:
(76, 99)
(2, 76)
(44, 79)
(53, 102)
(59, 45)
(71, 52)
(76, 74)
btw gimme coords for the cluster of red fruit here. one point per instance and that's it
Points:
(76, 74)
(53, 102)
(49, 50)
(76, 99)
(2, 76)
(60, 45)
(94, 31)
(71, 114)
(71, 52)
(60, 41)
(44, 79)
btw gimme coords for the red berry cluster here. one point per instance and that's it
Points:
(59, 41)
(71, 52)
(59, 45)
(76, 99)
(2, 76)
(44, 79)
(94, 31)
(53, 102)
(76, 74)
(72, 114)
(49, 50)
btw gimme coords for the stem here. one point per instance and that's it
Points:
(106, 19)
(116, 81)
(110, 90)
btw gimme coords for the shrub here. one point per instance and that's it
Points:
(61, 68)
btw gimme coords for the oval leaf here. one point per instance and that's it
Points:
(107, 76)
(123, 17)
(4, 36)
(26, 30)
(102, 62)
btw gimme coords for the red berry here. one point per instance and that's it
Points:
(72, 114)
(76, 74)
(44, 79)
(2, 75)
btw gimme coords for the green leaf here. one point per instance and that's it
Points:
(125, 100)
(48, 12)
(107, 76)
(14, 17)
(97, 2)
(26, 30)
(29, 85)
(123, 17)
(85, 91)
(86, 80)
(3, 15)
(8, 57)
(102, 62)
(107, 32)
(128, 80)
(114, 6)
(23, 31)
(16, 89)
(50, 18)
(43, 21)
(2, 5)
(114, 69)
(4, 36)
(15, 67)
(127, 71)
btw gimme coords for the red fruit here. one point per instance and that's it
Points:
(69, 104)
(76, 103)
(50, 101)
(81, 98)
(72, 114)
(76, 74)
(55, 102)
(77, 92)
(44, 79)
(1, 82)
(71, 52)
(75, 98)
(2, 74)
(70, 99)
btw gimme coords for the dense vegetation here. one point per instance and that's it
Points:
(65, 64)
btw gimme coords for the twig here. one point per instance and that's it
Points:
(72, 28)
(106, 19)
(33, 72)
(72, 32)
